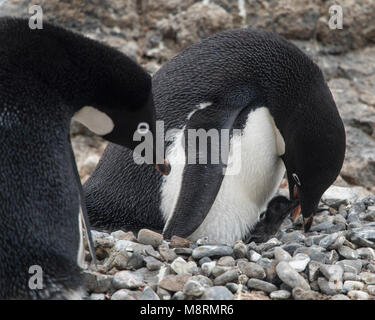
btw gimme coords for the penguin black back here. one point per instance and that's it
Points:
(46, 77)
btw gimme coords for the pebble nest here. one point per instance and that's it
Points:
(335, 260)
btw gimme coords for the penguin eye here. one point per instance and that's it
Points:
(296, 179)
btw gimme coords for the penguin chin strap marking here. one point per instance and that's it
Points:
(94, 119)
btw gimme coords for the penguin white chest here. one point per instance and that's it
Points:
(254, 173)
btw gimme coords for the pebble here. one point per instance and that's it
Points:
(208, 267)
(178, 242)
(314, 270)
(351, 276)
(211, 250)
(127, 280)
(300, 294)
(125, 294)
(353, 266)
(98, 283)
(340, 297)
(367, 277)
(254, 256)
(281, 255)
(167, 254)
(228, 276)
(226, 261)
(299, 262)
(180, 266)
(253, 270)
(332, 272)
(358, 295)
(97, 296)
(280, 295)
(330, 287)
(149, 294)
(350, 285)
(348, 253)
(290, 276)
(295, 236)
(153, 264)
(371, 289)
(239, 250)
(217, 293)
(261, 285)
(174, 283)
(193, 288)
(366, 253)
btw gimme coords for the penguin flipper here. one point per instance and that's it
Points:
(193, 203)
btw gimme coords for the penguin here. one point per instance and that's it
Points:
(270, 220)
(281, 117)
(47, 77)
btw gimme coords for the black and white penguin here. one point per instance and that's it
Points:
(47, 77)
(245, 79)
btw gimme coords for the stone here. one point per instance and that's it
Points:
(335, 196)
(208, 267)
(281, 255)
(367, 277)
(178, 242)
(163, 294)
(233, 287)
(350, 285)
(371, 289)
(261, 285)
(121, 235)
(180, 266)
(193, 288)
(174, 283)
(351, 276)
(253, 270)
(149, 294)
(228, 276)
(127, 280)
(330, 287)
(153, 264)
(314, 270)
(340, 297)
(97, 282)
(217, 293)
(353, 266)
(226, 261)
(211, 250)
(254, 256)
(300, 294)
(332, 272)
(280, 295)
(179, 295)
(102, 239)
(97, 296)
(299, 262)
(366, 253)
(239, 250)
(125, 294)
(348, 253)
(167, 254)
(183, 251)
(358, 295)
(294, 236)
(290, 276)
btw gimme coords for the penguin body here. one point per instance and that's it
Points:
(246, 79)
(46, 77)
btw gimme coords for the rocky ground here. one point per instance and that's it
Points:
(336, 260)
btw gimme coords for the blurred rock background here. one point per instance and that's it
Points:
(153, 31)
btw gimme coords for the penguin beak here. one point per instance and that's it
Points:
(297, 211)
(165, 168)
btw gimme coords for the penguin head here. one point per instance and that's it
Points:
(123, 105)
(314, 153)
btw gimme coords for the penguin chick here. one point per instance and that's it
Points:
(270, 220)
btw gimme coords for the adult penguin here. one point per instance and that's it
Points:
(246, 79)
(47, 77)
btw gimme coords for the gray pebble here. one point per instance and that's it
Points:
(261, 285)
(193, 288)
(348, 253)
(280, 295)
(281, 255)
(329, 287)
(149, 294)
(125, 294)
(367, 277)
(208, 267)
(204, 260)
(254, 256)
(350, 285)
(353, 266)
(366, 253)
(239, 250)
(314, 270)
(300, 294)
(98, 283)
(371, 289)
(290, 276)
(217, 293)
(253, 270)
(332, 272)
(228, 276)
(211, 250)
(233, 287)
(299, 262)
(340, 297)
(167, 254)
(226, 261)
(179, 295)
(351, 276)
(295, 236)
(358, 295)
(152, 264)
(127, 280)
(97, 296)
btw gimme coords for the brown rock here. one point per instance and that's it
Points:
(174, 283)
(178, 242)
